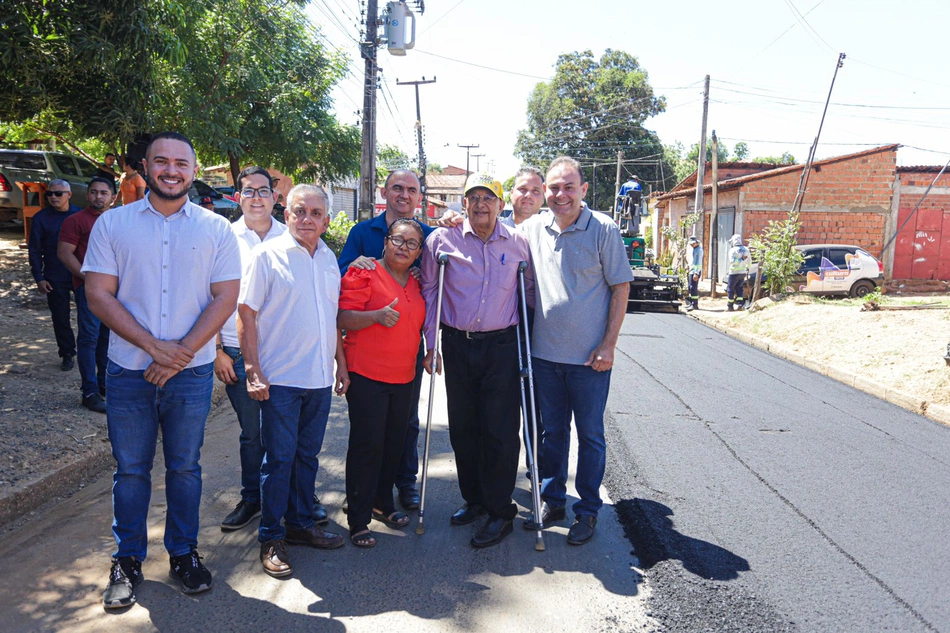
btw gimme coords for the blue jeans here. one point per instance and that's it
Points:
(249, 417)
(92, 346)
(136, 410)
(293, 423)
(565, 390)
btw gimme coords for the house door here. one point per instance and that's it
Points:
(725, 228)
(922, 249)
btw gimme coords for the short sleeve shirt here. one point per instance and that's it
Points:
(247, 240)
(574, 270)
(295, 297)
(76, 231)
(165, 267)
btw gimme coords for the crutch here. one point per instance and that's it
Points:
(420, 526)
(527, 373)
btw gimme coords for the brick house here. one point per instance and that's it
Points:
(860, 198)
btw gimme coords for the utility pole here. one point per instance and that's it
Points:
(422, 153)
(701, 169)
(617, 187)
(478, 163)
(713, 220)
(467, 149)
(368, 155)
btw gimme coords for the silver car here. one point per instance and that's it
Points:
(40, 166)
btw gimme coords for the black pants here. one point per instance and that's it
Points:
(694, 290)
(735, 290)
(58, 302)
(482, 393)
(379, 416)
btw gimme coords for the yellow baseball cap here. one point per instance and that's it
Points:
(486, 181)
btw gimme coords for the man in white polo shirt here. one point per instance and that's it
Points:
(255, 191)
(287, 324)
(163, 275)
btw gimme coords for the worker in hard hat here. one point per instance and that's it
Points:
(738, 271)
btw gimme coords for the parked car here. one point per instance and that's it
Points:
(222, 205)
(40, 166)
(832, 269)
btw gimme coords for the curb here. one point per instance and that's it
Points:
(937, 412)
(66, 480)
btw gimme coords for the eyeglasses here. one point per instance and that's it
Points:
(399, 241)
(263, 192)
(479, 199)
(57, 193)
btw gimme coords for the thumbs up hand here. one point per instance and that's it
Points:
(388, 316)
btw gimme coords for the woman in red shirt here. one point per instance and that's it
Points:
(382, 311)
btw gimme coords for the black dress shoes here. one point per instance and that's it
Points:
(243, 513)
(67, 363)
(320, 516)
(492, 533)
(409, 498)
(582, 530)
(549, 515)
(467, 514)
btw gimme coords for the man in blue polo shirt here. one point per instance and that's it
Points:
(364, 243)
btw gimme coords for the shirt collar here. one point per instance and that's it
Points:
(243, 228)
(188, 207)
(580, 224)
(379, 222)
(495, 234)
(291, 242)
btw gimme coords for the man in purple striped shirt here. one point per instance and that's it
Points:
(479, 315)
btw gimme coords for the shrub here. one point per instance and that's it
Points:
(774, 251)
(335, 235)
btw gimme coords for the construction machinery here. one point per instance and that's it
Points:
(649, 289)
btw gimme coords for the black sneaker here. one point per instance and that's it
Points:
(244, 512)
(94, 403)
(67, 363)
(125, 576)
(188, 570)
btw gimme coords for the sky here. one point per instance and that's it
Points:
(770, 62)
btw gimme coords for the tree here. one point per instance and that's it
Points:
(590, 110)
(255, 88)
(389, 158)
(741, 151)
(785, 159)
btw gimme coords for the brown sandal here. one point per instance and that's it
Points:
(364, 538)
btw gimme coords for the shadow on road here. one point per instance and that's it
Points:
(648, 526)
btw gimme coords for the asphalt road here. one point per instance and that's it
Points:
(761, 496)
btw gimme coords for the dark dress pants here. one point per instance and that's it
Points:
(482, 392)
(379, 415)
(58, 302)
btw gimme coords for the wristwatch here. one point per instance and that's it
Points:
(218, 346)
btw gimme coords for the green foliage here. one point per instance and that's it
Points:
(589, 110)
(785, 159)
(648, 236)
(434, 168)
(335, 235)
(741, 151)
(677, 251)
(388, 158)
(775, 253)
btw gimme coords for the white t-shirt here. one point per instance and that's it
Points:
(295, 297)
(247, 240)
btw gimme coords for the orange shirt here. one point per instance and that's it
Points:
(128, 186)
(378, 352)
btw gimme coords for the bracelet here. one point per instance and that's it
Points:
(218, 346)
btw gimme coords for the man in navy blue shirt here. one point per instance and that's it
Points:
(403, 194)
(52, 278)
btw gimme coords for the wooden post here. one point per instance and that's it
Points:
(368, 156)
(713, 220)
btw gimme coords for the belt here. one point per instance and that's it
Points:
(476, 336)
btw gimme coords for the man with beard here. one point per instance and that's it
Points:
(164, 276)
(93, 341)
(364, 245)
(52, 278)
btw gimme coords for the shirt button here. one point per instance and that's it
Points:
(478, 320)
(483, 301)
(164, 266)
(166, 242)
(164, 291)
(164, 315)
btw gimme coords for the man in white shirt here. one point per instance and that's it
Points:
(255, 190)
(163, 275)
(287, 325)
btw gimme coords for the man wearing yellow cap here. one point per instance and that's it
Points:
(479, 339)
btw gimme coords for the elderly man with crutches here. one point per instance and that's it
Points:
(479, 315)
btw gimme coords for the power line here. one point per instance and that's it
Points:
(442, 16)
(499, 70)
(809, 30)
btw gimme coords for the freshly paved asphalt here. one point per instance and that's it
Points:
(761, 496)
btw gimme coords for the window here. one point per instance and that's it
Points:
(23, 160)
(839, 257)
(812, 261)
(65, 164)
(87, 168)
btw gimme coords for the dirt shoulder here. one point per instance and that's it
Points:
(894, 354)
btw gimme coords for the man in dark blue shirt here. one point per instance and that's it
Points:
(365, 242)
(52, 278)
